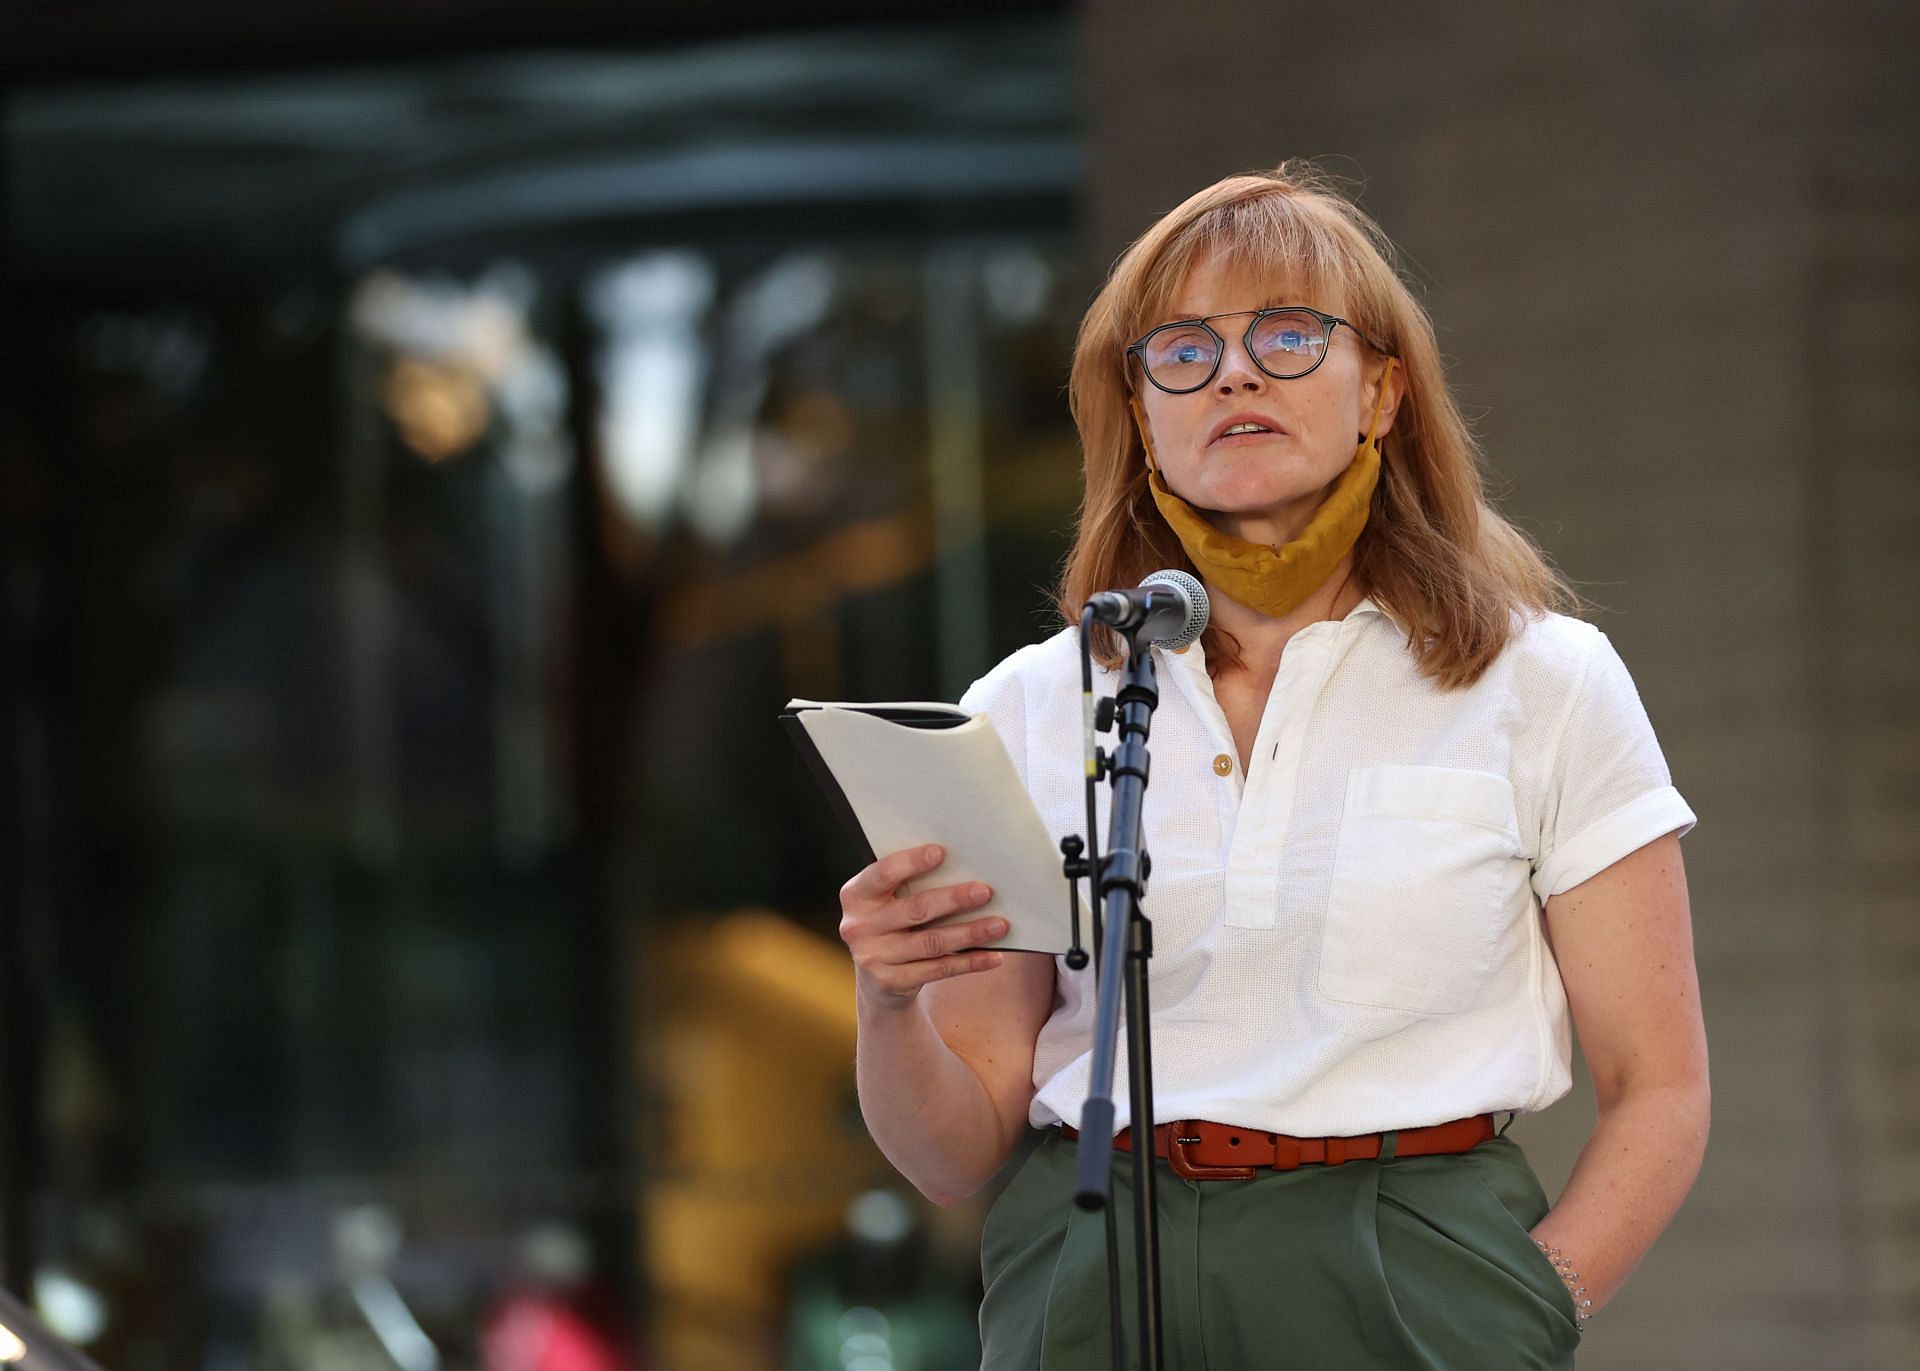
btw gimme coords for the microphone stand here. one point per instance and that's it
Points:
(1119, 883)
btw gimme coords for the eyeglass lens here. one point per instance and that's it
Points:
(1284, 343)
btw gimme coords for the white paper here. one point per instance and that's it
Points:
(955, 787)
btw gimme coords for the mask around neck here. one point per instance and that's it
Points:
(1275, 580)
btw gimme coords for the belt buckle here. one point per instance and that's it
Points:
(1179, 1138)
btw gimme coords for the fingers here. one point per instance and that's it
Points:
(862, 918)
(878, 880)
(930, 905)
(897, 941)
(899, 965)
(932, 944)
(873, 898)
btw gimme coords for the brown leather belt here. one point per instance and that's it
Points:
(1203, 1151)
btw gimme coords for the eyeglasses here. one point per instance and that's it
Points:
(1286, 342)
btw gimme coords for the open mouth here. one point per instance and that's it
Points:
(1245, 433)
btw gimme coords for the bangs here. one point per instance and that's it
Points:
(1275, 246)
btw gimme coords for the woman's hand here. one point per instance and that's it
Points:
(894, 952)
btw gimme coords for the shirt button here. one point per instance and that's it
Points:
(1223, 765)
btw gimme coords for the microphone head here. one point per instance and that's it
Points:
(1198, 609)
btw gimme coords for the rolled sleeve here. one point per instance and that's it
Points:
(1608, 791)
(1001, 696)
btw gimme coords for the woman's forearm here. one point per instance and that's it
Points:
(923, 1105)
(1627, 1185)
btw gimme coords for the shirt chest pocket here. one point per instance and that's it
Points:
(1424, 878)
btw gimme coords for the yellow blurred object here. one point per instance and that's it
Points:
(750, 1044)
(856, 558)
(441, 409)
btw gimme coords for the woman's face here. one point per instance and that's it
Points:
(1262, 486)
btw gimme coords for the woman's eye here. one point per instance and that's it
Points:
(1186, 352)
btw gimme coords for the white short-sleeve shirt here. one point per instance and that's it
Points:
(1349, 938)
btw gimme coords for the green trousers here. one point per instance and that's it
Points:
(1399, 1262)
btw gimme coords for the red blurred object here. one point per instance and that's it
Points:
(535, 1331)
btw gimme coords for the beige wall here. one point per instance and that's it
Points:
(1674, 257)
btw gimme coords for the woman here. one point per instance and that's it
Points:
(1406, 819)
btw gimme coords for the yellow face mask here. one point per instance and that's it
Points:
(1276, 580)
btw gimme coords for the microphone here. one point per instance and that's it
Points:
(1169, 609)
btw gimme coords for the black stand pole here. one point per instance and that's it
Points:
(1120, 883)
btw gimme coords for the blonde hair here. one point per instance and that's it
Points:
(1433, 552)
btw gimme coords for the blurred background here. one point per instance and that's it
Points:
(435, 438)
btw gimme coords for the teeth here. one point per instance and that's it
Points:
(1247, 428)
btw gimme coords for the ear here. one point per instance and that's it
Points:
(1140, 423)
(1387, 388)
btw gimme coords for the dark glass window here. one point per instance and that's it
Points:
(422, 485)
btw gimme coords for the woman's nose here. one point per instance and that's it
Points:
(1237, 371)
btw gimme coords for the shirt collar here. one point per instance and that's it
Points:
(1369, 605)
(1195, 658)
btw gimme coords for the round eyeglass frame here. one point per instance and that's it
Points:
(1330, 322)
